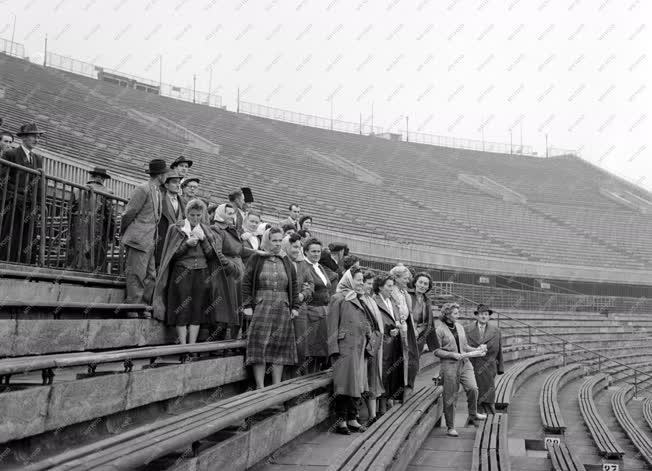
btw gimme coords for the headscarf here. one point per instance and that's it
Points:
(345, 286)
(262, 227)
(220, 214)
(285, 250)
(266, 244)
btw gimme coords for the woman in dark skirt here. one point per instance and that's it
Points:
(270, 293)
(183, 289)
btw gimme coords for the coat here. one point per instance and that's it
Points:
(250, 282)
(397, 351)
(17, 156)
(349, 336)
(441, 341)
(219, 267)
(168, 217)
(375, 362)
(231, 248)
(82, 240)
(139, 221)
(488, 366)
(316, 293)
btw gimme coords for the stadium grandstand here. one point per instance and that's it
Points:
(558, 247)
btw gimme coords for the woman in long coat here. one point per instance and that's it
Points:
(310, 325)
(350, 341)
(421, 311)
(227, 312)
(485, 368)
(183, 290)
(271, 300)
(375, 360)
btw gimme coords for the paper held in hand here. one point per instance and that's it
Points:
(474, 354)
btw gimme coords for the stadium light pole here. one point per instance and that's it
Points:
(194, 86)
(13, 34)
(407, 129)
(511, 148)
(45, 51)
(546, 145)
(160, 72)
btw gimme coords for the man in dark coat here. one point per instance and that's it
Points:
(481, 332)
(20, 226)
(87, 238)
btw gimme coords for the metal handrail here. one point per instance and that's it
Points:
(567, 342)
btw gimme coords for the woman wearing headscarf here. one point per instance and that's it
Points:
(271, 299)
(421, 310)
(407, 328)
(350, 342)
(226, 311)
(182, 293)
(375, 360)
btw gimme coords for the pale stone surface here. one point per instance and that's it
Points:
(23, 413)
(155, 384)
(34, 337)
(85, 399)
(235, 369)
(265, 438)
(153, 332)
(230, 454)
(205, 374)
(112, 333)
(7, 333)
(305, 415)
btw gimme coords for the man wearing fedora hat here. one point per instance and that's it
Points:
(138, 229)
(96, 204)
(18, 241)
(181, 165)
(481, 332)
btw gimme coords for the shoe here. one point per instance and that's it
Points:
(452, 433)
(342, 430)
(357, 428)
(371, 421)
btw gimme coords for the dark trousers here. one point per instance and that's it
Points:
(347, 407)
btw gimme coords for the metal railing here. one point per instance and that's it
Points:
(510, 298)
(75, 66)
(307, 120)
(50, 222)
(574, 352)
(12, 48)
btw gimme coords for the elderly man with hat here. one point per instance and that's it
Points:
(87, 238)
(482, 332)
(172, 210)
(138, 228)
(189, 187)
(19, 228)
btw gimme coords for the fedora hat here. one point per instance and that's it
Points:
(482, 308)
(157, 167)
(248, 195)
(29, 128)
(170, 174)
(185, 181)
(179, 160)
(100, 172)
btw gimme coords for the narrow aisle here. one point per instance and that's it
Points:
(577, 434)
(525, 429)
(631, 460)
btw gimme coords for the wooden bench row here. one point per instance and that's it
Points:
(141, 445)
(508, 383)
(490, 449)
(640, 439)
(602, 436)
(63, 308)
(392, 442)
(47, 363)
(551, 414)
(563, 458)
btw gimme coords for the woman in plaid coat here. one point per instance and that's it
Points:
(270, 292)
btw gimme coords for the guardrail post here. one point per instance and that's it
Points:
(43, 211)
(529, 334)
(564, 353)
(635, 383)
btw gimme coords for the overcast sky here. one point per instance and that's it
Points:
(578, 70)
